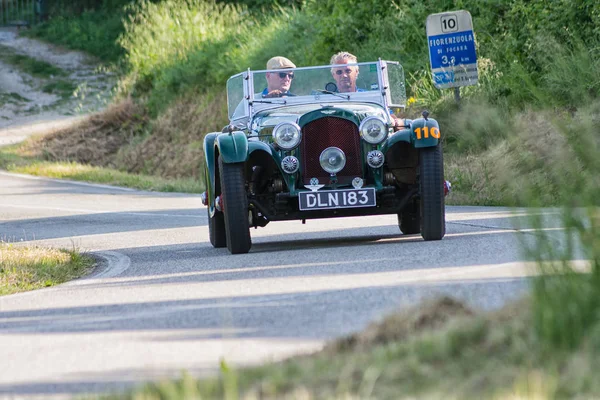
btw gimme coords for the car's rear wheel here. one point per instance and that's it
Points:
(216, 229)
(431, 187)
(235, 207)
(409, 220)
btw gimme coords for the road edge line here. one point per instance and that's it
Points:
(67, 181)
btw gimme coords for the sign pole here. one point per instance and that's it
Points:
(457, 94)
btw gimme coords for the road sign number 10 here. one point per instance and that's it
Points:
(449, 23)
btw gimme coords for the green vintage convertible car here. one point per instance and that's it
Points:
(320, 153)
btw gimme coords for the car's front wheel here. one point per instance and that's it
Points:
(235, 207)
(431, 187)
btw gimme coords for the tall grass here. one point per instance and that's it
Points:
(566, 301)
(173, 48)
(571, 74)
(159, 36)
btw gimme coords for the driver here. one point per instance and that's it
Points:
(279, 83)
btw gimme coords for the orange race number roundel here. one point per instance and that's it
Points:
(425, 132)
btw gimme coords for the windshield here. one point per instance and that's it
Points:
(397, 92)
(343, 78)
(235, 94)
(255, 91)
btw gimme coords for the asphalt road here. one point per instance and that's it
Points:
(163, 299)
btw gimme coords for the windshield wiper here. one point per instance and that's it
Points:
(347, 96)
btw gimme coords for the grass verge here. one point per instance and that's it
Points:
(34, 267)
(439, 349)
(12, 161)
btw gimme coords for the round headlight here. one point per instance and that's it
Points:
(287, 135)
(332, 160)
(373, 130)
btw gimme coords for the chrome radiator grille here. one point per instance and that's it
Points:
(327, 132)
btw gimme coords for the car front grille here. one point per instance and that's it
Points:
(327, 132)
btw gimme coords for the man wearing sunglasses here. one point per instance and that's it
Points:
(345, 78)
(279, 83)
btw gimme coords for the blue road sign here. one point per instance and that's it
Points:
(452, 49)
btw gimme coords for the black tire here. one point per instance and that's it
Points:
(431, 187)
(409, 220)
(216, 230)
(235, 207)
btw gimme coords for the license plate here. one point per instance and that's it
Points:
(341, 198)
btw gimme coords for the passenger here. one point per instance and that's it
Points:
(345, 78)
(279, 83)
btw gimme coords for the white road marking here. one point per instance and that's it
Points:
(86, 211)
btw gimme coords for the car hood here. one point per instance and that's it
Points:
(270, 118)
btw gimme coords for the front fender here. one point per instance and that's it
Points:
(233, 147)
(209, 171)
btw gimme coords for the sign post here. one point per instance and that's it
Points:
(452, 50)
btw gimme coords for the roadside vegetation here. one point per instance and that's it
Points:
(527, 135)
(30, 65)
(24, 268)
